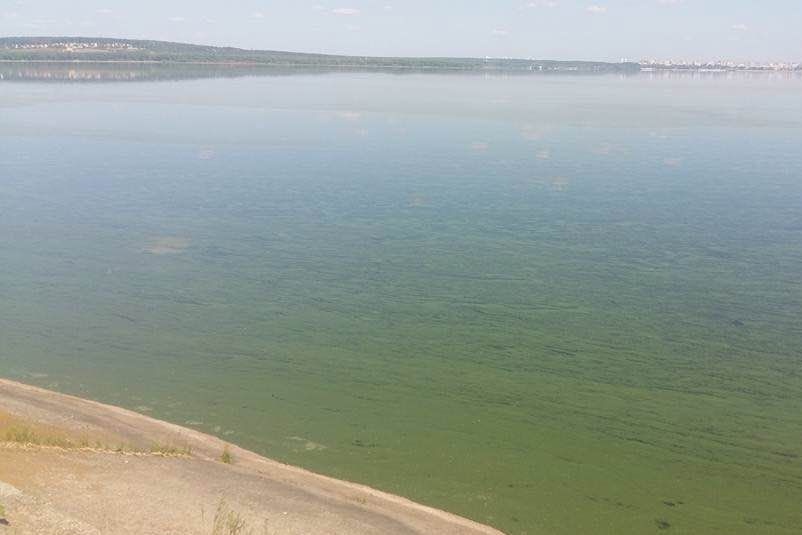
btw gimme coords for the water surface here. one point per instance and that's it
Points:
(556, 305)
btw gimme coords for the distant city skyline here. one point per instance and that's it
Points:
(736, 30)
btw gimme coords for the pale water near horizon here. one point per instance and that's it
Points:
(555, 305)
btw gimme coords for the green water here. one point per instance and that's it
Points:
(554, 305)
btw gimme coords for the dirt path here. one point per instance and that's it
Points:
(62, 471)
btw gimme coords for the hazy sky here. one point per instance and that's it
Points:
(559, 29)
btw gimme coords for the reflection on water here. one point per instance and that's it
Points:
(143, 71)
(136, 72)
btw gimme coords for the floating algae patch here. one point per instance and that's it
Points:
(306, 445)
(167, 245)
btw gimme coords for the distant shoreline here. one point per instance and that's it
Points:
(342, 66)
(105, 49)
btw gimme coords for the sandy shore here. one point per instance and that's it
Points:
(72, 466)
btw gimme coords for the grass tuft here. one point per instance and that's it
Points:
(25, 435)
(170, 450)
(228, 522)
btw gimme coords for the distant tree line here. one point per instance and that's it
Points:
(53, 49)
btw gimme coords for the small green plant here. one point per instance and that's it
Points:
(226, 457)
